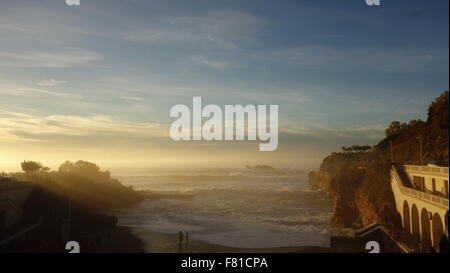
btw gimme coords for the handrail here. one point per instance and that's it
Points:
(428, 169)
(397, 176)
(419, 194)
(8, 202)
(22, 232)
(403, 247)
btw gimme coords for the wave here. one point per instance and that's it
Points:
(285, 194)
(167, 195)
(209, 176)
(232, 207)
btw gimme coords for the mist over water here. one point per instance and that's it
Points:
(231, 207)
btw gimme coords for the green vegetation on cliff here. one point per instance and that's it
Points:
(359, 178)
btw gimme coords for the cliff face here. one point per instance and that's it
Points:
(319, 181)
(362, 194)
(360, 182)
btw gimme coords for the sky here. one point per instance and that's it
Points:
(97, 81)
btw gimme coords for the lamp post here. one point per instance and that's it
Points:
(392, 152)
(420, 148)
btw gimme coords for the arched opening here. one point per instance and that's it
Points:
(446, 223)
(438, 230)
(425, 223)
(415, 222)
(406, 218)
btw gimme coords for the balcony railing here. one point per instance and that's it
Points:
(431, 170)
(419, 194)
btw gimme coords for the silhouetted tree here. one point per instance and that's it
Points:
(83, 168)
(365, 148)
(30, 167)
(356, 148)
(438, 111)
(394, 128)
(414, 122)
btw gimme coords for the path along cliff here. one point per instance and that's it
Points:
(359, 182)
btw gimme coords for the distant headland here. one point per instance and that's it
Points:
(261, 168)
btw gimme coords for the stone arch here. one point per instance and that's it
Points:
(438, 230)
(406, 217)
(415, 221)
(425, 236)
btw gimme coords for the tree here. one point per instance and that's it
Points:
(394, 128)
(414, 122)
(30, 167)
(366, 148)
(66, 167)
(438, 111)
(356, 148)
(83, 168)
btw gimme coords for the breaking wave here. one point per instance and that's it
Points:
(233, 208)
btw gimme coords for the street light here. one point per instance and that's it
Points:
(392, 152)
(420, 148)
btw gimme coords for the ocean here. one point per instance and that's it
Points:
(231, 207)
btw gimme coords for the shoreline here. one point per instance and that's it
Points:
(131, 240)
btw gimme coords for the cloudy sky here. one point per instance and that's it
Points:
(97, 81)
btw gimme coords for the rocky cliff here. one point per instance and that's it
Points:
(359, 182)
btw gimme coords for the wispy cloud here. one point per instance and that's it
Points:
(48, 59)
(18, 127)
(224, 29)
(131, 99)
(282, 96)
(38, 36)
(40, 25)
(370, 132)
(328, 58)
(50, 82)
(209, 62)
(22, 90)
(223, 43)
(161, 35)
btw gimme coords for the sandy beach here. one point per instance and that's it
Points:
(129, 240)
